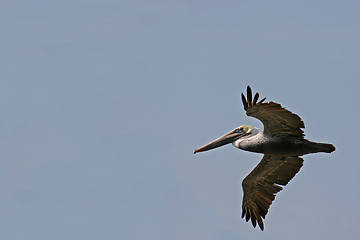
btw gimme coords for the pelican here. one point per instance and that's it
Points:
(282, 142)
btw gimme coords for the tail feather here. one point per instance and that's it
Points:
(325, 147)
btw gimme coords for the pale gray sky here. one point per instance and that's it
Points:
(103, 102)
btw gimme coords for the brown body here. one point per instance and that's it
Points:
(282, 142)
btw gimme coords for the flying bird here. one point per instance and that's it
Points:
(282, 142)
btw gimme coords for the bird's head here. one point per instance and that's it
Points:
(230, 137)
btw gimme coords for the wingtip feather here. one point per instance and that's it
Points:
(253, 220)
(245, 103)
(261, 101)
(247, 216)
(249, 95)
(243, 212)
(256, 97)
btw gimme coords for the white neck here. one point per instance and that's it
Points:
(237, 143)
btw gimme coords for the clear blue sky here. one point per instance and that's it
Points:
(103, 102)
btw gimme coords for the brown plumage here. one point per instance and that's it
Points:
(262, 184)
(276, 119)
(282, 142)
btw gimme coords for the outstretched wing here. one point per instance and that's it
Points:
(276, 119)
(262, 184)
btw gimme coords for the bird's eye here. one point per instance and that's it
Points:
(238, 130)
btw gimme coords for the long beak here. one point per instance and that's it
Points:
(227, 138)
